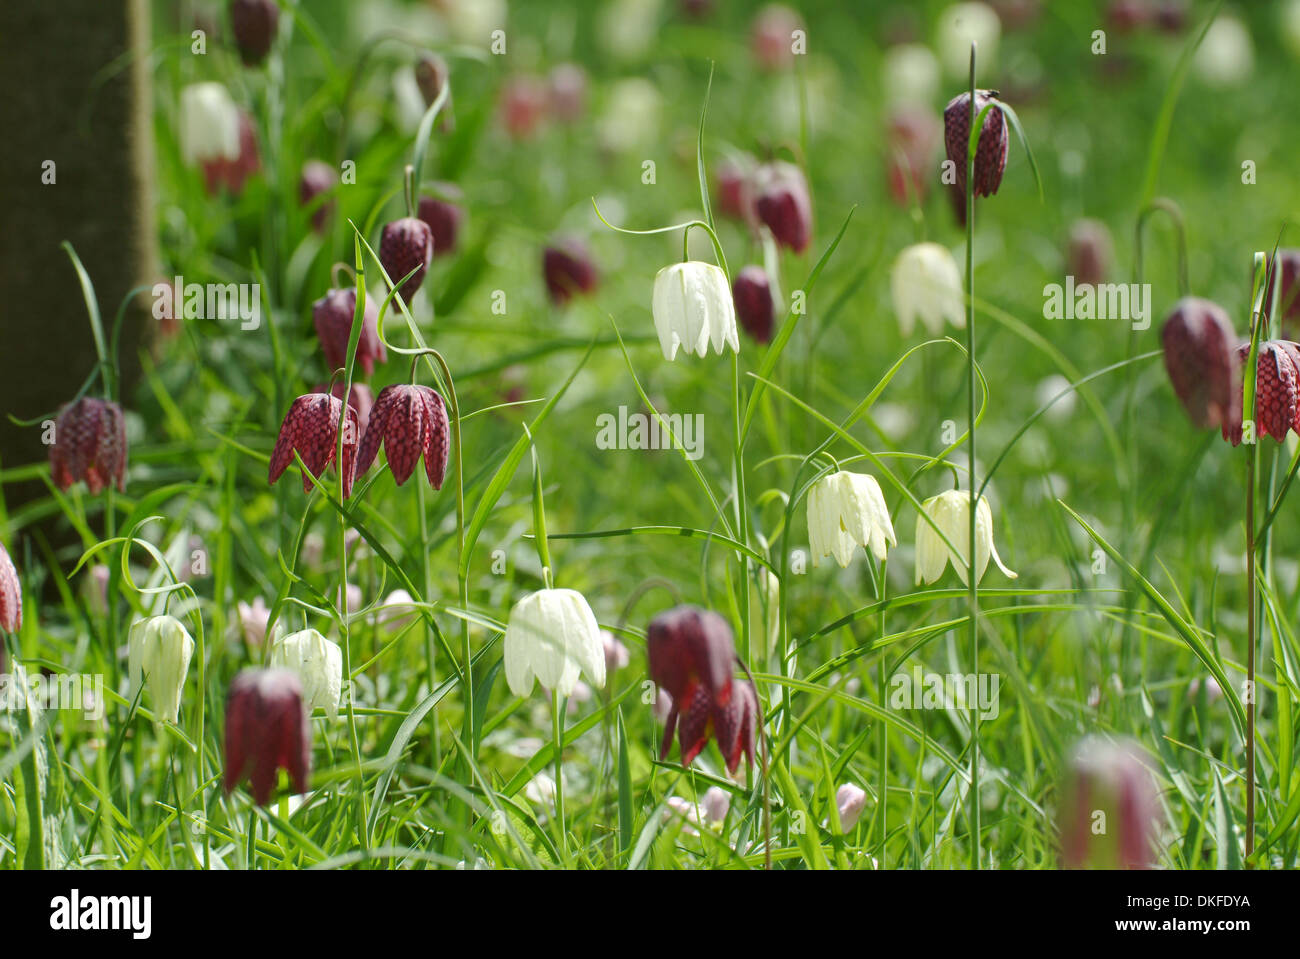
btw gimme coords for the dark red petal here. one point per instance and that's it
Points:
(436, 438)
(374, 434)
(695, 724)
(670, 727)
(404, 435)
(11, 596)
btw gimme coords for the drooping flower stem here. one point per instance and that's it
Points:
(972, 585)
(557, 712)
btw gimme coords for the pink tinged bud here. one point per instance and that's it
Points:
(850, 800)
(317, 178)
(89, 444)
(1108, 811)
(1199, 348)
(311, 427)
(444, 216)
(232, 174)
(267, 730)
(567, 269)
(715, 804)
(409, 421)
(1277, 390)
(431, 75)
(783, 204)
(991, 150)
(11, 596)
(736, 190)
(772, 39)
(406, 245)
(253, 621)
(254, 24)
(568, 92)
(333, 315)
(523, 106)
(1089, 254)
(754, 306)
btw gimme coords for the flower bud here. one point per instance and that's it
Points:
(925, 282)
(11, 597)
(783, 204)
(772, 38)
(850, 800)
(754, 307)
(89, 444)
(991, 149)
(406, 245)
(254, 620)
(444, 215)
(693, 307)
(431, 75)
(1089, 254)
(523, 106)
(317, 178)
(333, 315)
(1200, 357)
(318, 663)
(208, 124)
(254, 23)
(1108, 807)
(266, 729)
(567, 269)
(159, 651)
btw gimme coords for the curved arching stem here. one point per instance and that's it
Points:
(1170, 209)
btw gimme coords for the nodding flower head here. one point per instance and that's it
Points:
(990, 152)
(406, 245)
(693, 307)
(692, 656)
(89, 444)
(409, 421)
(568, 269)
(444, 216)
(1107, 782)
(783, 204)
(11, 596)
(312, 428)
(317, 178)
(431, 75)
(1200, 357)
(361, 399)
(1277, 391)
(254, 23)
(333, 314)
(267, 729)
(754, 306)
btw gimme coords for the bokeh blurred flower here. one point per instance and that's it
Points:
(89, 444)
(397, 609)
(405, 245)
(1089, 252)
(524, 101)
(267, 729)
(911, 141)
(960, 25)
(990, 150)
(11, 594)
(254, 619)
(473, 21)
(628, 28)
(311, 427)
(616, 654)
(444, 215)
(431, 75)
(1108, 810)
(782, 202)
(715, 804)
(254, 23)
(735, 188)
(333, 315)
(318, 663)
(159, 650)
(926, 283)
(552, 635)
(220, 172)
(567, 269)
(850, 800)
(692, 307)
(772, 36)
(568, 92)
(208, 125)
(410, 421)
(950, 512)
(1200, 357)
(752, 294)
(910, 77)
(317, 179)
(632, 115)
(1226, 56)
(847, 510)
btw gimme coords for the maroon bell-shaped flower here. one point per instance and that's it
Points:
(990, 152)
(408, 421)
(406, 245)
(311, 428)
(444, 216)
(1108, 809)
(1277, 390)
(567, 269)
(333, 314)
(754, 307)
(267, 730)
(89, 444)
(783, 204)
(1200, 357)
(360, 399)
(254, 24)
(317, 177)
(692, 656)
(11, 597)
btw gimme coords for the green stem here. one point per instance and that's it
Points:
(972, 585)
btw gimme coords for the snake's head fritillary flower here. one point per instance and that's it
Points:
(950, 512)
(208, 125)
(361, 399)
(1108, 811)
(616, 654)
(754, 306)
(692, 654)
(1089, 251)
(990, 151)
(783, 204)
(311, 427)
(926, 283)
(692, 308)
(444, 215)
(715, 805)
(524, 101)
(847, 510)
(11, 595)
(267, 729)
(850, 800)
(254, 23)
(552, 635)
(567, 269)
(159, 651)
(89, 444)
(406, 245)
(568, 92)
(410, 422)
(318, 663)
(735, 185)
(1200, 357)
(1277, 391)
(317, 178)
(772, 38)
(333, 314)
(254, 619)
(224, 172)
